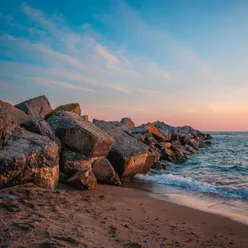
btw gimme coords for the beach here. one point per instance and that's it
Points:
(109, 216)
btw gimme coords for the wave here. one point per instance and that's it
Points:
(189, 183)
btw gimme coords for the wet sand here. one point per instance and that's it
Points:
(108, 217)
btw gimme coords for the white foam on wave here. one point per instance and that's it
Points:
(189, 183)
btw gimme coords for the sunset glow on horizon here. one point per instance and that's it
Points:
(180, 62)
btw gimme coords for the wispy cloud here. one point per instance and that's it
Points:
(55, 83)
(60, 56)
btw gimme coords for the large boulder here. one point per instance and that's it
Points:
(79, 135)
(35, 107)
(71, 107)
(40, 126)
(83, 180)
(104, 172)
(29, 157)
(7, 125)
(128, 155)
(72, 162)
(13, 113)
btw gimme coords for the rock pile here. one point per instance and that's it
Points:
(41, 145)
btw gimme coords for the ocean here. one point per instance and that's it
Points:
(216, 177)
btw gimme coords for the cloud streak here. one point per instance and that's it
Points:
(55, 83)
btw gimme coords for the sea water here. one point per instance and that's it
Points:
(215, 177)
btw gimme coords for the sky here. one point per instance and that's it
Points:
(184, 62)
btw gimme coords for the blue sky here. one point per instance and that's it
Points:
(180, 61)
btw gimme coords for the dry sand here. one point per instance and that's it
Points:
(108, 217)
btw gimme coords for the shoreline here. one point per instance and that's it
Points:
(109, 217)
(232, 208)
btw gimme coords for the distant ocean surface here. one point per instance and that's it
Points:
(221, 169)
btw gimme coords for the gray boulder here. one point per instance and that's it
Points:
(29, 157)
(79, 135)
(104, 172)
(40, 126)
(36, 107)
(128, 155)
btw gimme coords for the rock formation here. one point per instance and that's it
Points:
(70, 147)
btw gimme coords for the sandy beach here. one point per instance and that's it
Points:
(108, 217)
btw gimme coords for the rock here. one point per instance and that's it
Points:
(165, 129)
(7, 125)
(207, 136)
(72, 162)
(85, 117)
(160, 165)
(71, 107)
(165, 153)
(127, 122)
(149, 128)
(175, 155)
(178, 157)
(190, 149)
(203, 145)
(79, 135)
(29, 157)
(194, 143)
(35, 107)
(139, 130)
(155, 132)
(115, 123)
(40, 126)
(104, 172)
(140, 137)
(83, 180)
(14, 114)
(166, 145)
(128, 155)
(208, 142)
